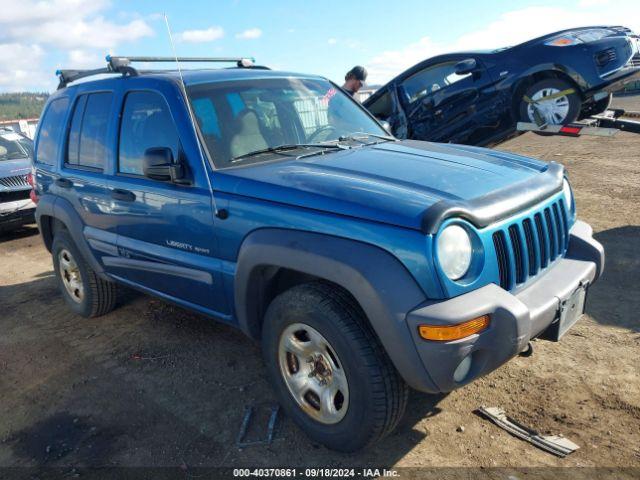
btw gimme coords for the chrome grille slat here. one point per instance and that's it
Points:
(14, 181)
(526, 247)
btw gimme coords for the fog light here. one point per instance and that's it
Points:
(453, 332)
(462, 370)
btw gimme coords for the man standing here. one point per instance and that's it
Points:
(354, 80)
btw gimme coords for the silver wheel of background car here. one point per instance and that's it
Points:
(554, 111)
(70, 275)
(313, 373)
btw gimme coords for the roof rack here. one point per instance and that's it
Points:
(122, 65)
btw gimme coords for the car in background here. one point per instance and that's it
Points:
(16, 205)
(477, 98)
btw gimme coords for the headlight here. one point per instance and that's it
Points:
(454, 251)
(563, 41)
(568, 196)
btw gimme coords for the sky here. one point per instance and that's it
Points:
(326, 38)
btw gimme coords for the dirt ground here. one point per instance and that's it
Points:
(153, 385)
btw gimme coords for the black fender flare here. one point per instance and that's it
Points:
(382, 286)
(62, 210)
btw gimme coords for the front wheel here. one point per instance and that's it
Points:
(328, 369)
(550, 101)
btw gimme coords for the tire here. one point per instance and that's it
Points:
(560, 111)
(375, 396)
(86, 294)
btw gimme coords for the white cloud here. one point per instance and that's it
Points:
(509, 28)
(332, 41)
(66, 24)
(249, 34)
(80, 58)
(197, 36)
(77, 28)
(593, 3)
(20, 69)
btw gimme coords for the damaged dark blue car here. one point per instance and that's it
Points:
(476, 98)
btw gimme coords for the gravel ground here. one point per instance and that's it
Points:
(153, 385)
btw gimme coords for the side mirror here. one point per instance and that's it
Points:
(466, 66)
(386, 125)
(158, 165)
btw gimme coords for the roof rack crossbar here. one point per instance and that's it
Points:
(243, 60)
(122, 65)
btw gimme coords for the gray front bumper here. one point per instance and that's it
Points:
(515, 318)
(16, 213)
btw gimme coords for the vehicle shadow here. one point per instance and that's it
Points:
(615, 300)
(18, 233)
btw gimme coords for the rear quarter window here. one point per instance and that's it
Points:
(88, 133)
(51, 128)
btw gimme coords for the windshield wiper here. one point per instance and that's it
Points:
(358, 137)
(283, 148)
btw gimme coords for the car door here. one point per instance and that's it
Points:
(82, 181)
(445, 106)
(166, 242)
(384, 105)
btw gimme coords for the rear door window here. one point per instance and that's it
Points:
(88, 132)
(50, 129)
(146, 123)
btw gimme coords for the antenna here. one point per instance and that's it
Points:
(218, 213)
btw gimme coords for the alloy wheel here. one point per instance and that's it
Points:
(313, 373)
(70, 275)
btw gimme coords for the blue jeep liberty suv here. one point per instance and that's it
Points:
(274, 202)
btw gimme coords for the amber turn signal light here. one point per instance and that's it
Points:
(446, 333)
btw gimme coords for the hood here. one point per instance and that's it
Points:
(392, 182)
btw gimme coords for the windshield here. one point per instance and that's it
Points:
(250, 121)
(11, 148)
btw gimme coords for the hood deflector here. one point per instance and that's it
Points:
(497, 205)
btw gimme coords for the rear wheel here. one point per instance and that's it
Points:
(550, 101)
(85, 293)
(328, 369)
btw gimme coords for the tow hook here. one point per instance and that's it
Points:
(528, 351)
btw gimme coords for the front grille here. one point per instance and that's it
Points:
(528, 246)
(14, 196)
(634, 62)
(15, 181)
(605, 57)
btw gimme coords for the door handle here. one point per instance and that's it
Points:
(123, 195)
(64, 182)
